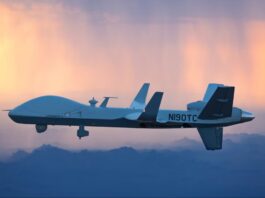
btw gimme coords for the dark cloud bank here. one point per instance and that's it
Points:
(181, 171)
(142, 11)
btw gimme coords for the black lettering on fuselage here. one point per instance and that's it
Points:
(178, 117)
(182, 117)
(171, 116)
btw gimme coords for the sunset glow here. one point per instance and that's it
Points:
(42, 51)
(55, 48)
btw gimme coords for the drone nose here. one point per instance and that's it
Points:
(11, 114)
(247, 116)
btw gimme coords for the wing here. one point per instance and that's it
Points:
(139, 100)
(152, 108)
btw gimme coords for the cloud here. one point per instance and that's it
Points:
(80, 49)
(147, 11)
(237, 170)
(65, 47)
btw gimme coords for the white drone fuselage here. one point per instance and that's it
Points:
(209, 116)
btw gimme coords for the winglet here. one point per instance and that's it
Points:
(152, 108)
(139, 100)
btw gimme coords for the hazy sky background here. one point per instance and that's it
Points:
(79, 49)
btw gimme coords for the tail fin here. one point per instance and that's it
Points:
(210, 91)
(139, 100)
(219, 100)
(212, 137)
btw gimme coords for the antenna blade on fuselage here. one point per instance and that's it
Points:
(105, 101)
(139, 100)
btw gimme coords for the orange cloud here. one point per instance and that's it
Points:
(55, 49)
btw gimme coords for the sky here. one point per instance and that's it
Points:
(80, 49)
